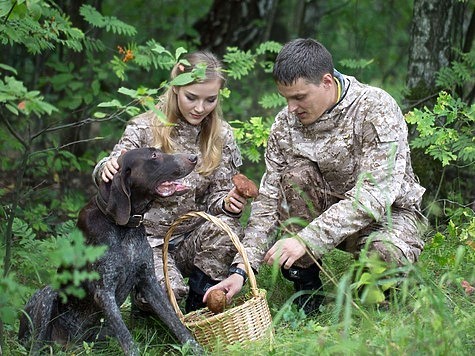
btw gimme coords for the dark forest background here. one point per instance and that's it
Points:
(72, 73)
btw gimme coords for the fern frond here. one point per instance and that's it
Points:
(269, 46)
(43, 33)
(23, 231)
(239, 63)
(94, 44)
(459, 72)
(109, 23)
(445, 78)
(356, 63)
(28, 33)
(153, 54)
(274, 100)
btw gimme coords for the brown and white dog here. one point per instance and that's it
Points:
(114, 218)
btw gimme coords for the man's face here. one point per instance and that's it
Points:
(309, 101)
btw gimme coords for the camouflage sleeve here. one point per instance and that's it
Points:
(222, 177)
(258, 236)
(136, 135)
(380, 173)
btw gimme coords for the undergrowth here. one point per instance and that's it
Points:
(430, 313)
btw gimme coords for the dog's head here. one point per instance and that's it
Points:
(146, 174)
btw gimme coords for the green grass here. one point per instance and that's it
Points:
(430, 314)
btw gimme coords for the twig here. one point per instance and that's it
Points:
(9, 12)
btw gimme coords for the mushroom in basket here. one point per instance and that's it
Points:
(216, 301)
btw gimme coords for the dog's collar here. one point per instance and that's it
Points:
(134, 221)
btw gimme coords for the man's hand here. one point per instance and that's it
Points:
(230, 286)
(285, 252)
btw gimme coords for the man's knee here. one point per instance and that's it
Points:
(387, 252)
(393, 254)
(305, 193)
(401, 241)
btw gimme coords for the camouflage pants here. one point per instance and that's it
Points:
(397, 239)
(208, 248)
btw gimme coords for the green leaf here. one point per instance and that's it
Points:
(366, 278)
(372, 295)
(8, 68)
(100, 115)
(160, 49)
(110, 104)
(356, 63)
(239, 63)
(178, 52)
(129, 92)
(132, 110)
(12, 108)
(96, 86)
(183, 79)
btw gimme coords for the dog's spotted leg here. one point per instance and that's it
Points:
(112, 313)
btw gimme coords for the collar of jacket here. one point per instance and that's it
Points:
(344, 88)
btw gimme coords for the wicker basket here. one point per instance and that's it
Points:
(248, 320)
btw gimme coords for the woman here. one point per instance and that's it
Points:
(198, 250)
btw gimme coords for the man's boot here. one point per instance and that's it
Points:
(308, 280)
(199, 283)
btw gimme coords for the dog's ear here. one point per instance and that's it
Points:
(118, 204)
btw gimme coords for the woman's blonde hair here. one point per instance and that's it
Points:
(211, 143)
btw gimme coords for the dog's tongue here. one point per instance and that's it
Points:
(166, 189)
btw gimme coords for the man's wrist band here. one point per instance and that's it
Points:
(240, 271)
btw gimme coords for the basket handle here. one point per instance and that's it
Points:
(234, 239)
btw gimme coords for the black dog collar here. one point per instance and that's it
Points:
(134, 221)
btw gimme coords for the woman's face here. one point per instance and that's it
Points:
(196, 101)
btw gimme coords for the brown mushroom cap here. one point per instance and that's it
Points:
(245, 187)
(216, 301)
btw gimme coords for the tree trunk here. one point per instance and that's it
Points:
(436, 31)
(441, 29)
(234, 23)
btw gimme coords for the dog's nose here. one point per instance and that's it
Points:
(193, 158)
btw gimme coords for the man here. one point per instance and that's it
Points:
(337, 158)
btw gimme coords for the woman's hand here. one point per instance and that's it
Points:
(111, 167)
(230, 286)
(234, 202)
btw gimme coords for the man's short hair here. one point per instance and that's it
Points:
(302, 58)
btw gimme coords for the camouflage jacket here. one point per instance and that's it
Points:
(361, 148)
(206, 193)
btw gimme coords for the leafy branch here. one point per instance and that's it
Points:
(446, 132)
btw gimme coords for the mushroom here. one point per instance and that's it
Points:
(216, 301)
(245, 187)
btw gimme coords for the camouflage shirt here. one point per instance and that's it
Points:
(206, 193)
(361, 148)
